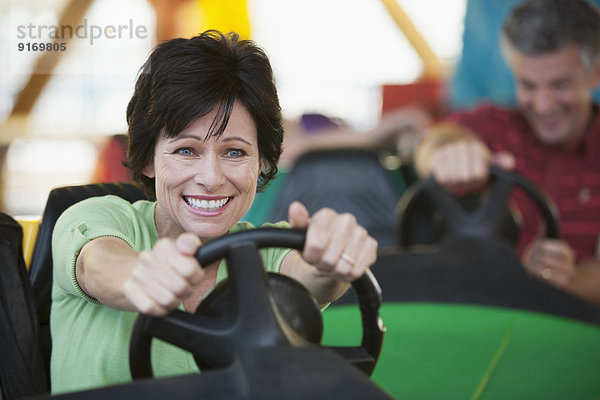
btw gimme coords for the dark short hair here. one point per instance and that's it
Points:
(185, 79)
(543, 26)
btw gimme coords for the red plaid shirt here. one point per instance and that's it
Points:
(570, 178)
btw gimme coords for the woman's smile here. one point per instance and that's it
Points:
(206, 205)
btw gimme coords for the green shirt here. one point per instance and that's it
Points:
(90, 341)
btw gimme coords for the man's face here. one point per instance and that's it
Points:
(554, 93)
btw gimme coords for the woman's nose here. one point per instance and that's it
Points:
(209, 173)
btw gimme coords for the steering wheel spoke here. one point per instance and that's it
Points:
(357, 356)
(444, 201)
(186, 330)
(251, 289)
(491, 212)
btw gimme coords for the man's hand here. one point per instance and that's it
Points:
(551, 260)
(457, 159)
(463, 165)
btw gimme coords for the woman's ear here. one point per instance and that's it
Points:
(148, 170)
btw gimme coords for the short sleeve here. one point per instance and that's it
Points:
(273, 257)
(81, 223)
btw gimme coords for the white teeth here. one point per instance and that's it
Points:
(207, 205)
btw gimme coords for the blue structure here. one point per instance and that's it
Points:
(482, 74)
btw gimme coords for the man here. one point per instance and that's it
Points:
(552, 138)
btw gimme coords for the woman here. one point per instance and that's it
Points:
(205, 132)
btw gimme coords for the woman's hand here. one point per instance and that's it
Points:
(164, 276)
(336, 245)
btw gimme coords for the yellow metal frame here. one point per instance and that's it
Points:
(30, 226)
(222, 15)
(432, 66)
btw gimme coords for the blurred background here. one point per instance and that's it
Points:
(348, 59)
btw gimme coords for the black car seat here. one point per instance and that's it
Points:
(40, 271)
(22, 371)
(346, 180)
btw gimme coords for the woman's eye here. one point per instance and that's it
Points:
(234, 153)
(185, 152)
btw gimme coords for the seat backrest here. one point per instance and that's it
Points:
(346, 180)
(40, 271)
(22, 370)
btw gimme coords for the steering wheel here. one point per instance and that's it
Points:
(253, 309)
(486, 221)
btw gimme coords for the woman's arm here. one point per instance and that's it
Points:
(152, 282)
(320, 284)
(102, 268)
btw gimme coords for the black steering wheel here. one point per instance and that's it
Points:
(253, 309)
(486, 221)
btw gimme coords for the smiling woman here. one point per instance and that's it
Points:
(198, 178)
(205, 133)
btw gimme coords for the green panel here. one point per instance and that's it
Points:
(451, 351)
(263, 203)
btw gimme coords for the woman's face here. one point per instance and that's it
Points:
(205, 187)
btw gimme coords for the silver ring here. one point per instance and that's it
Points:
(547, 274)
(348, 258)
